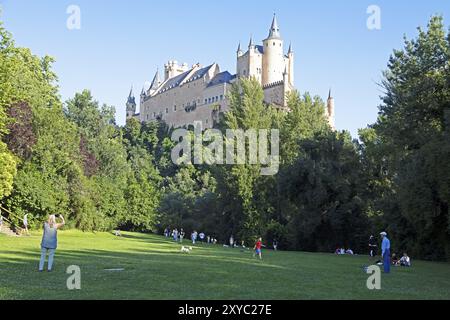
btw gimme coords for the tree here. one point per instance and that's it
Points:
(413, 128)
(325, 185)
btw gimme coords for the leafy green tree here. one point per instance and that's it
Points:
(325, 187)
(413, 129)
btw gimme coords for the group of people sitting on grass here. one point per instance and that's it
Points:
(343, 251)
(404, 261)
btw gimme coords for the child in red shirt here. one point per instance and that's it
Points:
(258, 246)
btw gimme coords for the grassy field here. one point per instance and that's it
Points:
(154, 268)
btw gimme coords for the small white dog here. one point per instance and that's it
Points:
(186, 249)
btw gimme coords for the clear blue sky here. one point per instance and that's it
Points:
(123, 42)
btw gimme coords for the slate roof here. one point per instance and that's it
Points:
(221, 77)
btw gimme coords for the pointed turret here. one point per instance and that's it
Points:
(239, 50)
(290, 49)
(250, 44)
(131, 104)
(274, 31)
(155, 83)
(330, 110)
(131, 98)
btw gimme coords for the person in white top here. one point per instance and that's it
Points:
(25, 223)
(405, 261)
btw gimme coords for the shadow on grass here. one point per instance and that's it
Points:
(170, 273)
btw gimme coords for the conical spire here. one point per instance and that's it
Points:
(250, 44)
(290, 48)
(329, 95)
(274, 31)
(239, 47)
(155, 81)
(131, 99)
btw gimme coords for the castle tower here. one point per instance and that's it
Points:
(290, 65)
(330, 111)
(172, 69)
(273, 63)
(131, 105)
(143, 94)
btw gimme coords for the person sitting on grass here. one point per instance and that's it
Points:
(50, 241)
(231, 241)
(349, 251)
(405, 261)
(394, 259)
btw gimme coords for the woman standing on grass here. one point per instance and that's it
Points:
(50, 241)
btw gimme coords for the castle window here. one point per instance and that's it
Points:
(206, 101)
(217, 98)
(174, 108)
(221, 97)
(167, 110)
(274, 44)
(206, 121)
(154, 114)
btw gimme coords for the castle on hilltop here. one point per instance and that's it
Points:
(187, 94)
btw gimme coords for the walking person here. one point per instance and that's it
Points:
(25, 223)
(257, 248)
(175, 234)
(231, 241)
(1, 221)
(181, 235)
(372, 246)
(50, 241)
(386, 252)
(275, 244)
(194, 236)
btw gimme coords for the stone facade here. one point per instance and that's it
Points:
(188, 94)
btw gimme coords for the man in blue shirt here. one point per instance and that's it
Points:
(386, 252)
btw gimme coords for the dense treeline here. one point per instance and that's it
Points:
(331, 190)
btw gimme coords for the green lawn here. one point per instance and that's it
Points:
(155, 269)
